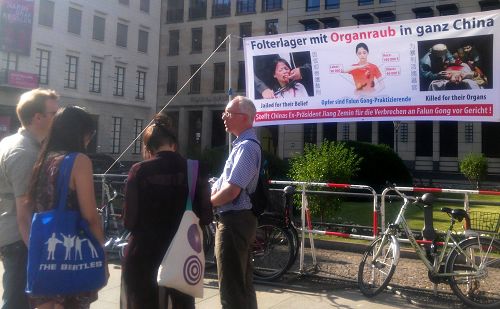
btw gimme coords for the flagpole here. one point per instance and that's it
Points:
(230, 91)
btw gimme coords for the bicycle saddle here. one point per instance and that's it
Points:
(457, 214)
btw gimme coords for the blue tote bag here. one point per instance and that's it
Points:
(64, 258)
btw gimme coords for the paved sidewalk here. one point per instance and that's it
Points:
(268, 296)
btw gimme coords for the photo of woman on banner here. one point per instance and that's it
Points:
(455, 64)
(276, 77)
(367, 76)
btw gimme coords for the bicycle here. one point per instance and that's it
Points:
(115, 234)
(471, 267)
(276, 243)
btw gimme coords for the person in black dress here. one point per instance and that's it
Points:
(155, 200)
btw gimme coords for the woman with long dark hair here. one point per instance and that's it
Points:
(284, 87)
(72, 130)
(155, 200)
(366, 75)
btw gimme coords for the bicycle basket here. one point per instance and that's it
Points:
(485, 221)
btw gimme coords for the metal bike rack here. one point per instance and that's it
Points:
(431, 190)
(306, 216)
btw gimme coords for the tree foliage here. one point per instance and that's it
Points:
(474, 166)
(329, 162)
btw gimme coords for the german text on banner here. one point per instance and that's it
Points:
(442, 68)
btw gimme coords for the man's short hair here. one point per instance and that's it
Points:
(246, 106)
(33, 102)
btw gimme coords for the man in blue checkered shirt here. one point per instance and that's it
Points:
(237, 224)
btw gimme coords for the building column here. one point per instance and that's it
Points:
(183, 129)
(206, 128)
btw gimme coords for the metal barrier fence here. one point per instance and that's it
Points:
(306, 215)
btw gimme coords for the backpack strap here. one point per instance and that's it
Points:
(260, 165)
(192, 173)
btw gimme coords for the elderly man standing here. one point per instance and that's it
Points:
(236, 223)
(18, 154)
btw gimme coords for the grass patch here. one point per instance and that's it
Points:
(354, 212)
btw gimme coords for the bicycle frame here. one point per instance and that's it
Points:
(434, 266)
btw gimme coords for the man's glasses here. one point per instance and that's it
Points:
(230, 114)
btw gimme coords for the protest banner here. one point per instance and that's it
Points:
(442, 68)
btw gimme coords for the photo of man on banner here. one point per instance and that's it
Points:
(456, 64)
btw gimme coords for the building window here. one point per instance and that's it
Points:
(310, 24)
(74, 21)
(447, 9)
(141, 85)
(95, 76)
(385, 16)
(121, 35)
(46, 13)
(469, 132)
(221, 8)
(11, 61)
(345, 132)
(241, 76)
(144, 6)
(329, 22)
(363, 19)
(116, 134)
(196, 40)
(385, 1)
(424, 138)
(364, 131)
(271, 5)
(310, 132)
(312, 5)
(219, 76)
(98, 30)
(71, 72)
(330, 131)
(172, 80)
(448, 138)
(142, 44)
(490, 146)
(195, 85)
(365, 2)
(423, 12)
(173, 42)
(332, 4)
(488, 5)
(175, 11)
(118, 90)
(197, 9)
(220, 36)
(245, 31)
(43, 62)
(138, 130)
(271, 26)
(245, 7)
(403, 132)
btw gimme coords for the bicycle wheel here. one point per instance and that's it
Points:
(478, 285)
(375, 274)
(272, 252)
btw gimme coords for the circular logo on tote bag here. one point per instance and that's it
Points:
(192, 270)
(194, 238)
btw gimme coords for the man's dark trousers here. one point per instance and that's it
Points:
(233, 244)
(14, 258)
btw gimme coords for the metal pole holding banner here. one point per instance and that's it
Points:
(302, 232)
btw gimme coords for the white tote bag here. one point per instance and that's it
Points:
(183, 265)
